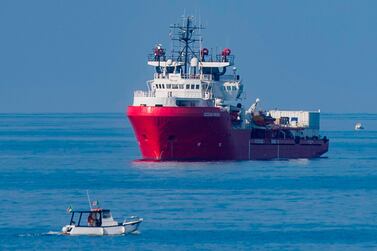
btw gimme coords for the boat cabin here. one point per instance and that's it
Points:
(93, 218)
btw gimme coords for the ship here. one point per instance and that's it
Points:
(359, 126)
(193, 109)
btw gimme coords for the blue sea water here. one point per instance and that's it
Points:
(48, 161)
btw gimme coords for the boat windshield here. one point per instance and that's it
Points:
(86, 218)
(106, 214)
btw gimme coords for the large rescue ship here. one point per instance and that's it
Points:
(193, 110)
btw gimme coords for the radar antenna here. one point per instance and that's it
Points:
(185, 34)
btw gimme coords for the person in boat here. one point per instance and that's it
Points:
(92, 220)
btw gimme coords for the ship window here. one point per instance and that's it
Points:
(234, 88)
(192, 86)
(224, 88)
(228, 88)
(168, 86)
(187, 86)
(180, 86)
(197, 87)
(106, 214)
(163, 86)
(175, 86)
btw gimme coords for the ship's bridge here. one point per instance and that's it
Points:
(188, 90)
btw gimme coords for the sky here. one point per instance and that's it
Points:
(89, 56)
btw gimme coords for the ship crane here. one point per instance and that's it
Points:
(252, 108)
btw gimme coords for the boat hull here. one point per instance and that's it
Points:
(206, 134)
(125, 228)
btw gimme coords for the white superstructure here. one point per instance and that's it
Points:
(307, 121)
(190, 76)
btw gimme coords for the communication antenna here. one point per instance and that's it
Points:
(87, 195)
(200, 38)
(186, 35)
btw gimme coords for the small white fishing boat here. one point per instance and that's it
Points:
(359, 126)
(99, 221)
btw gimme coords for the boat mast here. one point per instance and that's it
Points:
(184, 34)
(186, 40)
(87, 195)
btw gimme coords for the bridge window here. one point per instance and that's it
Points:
(175, 86)
(234, 88)
(197, 87)
(187, 86)
(180, 86)
(168, 86)
(163, 86)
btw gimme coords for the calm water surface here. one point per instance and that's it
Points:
(47, 161)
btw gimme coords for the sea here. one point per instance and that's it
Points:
(48, 162)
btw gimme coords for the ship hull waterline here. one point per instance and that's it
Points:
(206, 134)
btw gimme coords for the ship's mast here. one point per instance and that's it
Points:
(184, 34)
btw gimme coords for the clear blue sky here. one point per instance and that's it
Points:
(89, 56)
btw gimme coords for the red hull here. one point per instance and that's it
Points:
(205, 133)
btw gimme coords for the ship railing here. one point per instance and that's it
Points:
(144, 94)
(207, 77)
(230, 59)
(159, 76)
(229, 77)
(153, 57)
(203, 77)
(295, 125)
(209, 58)
(200, 94)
